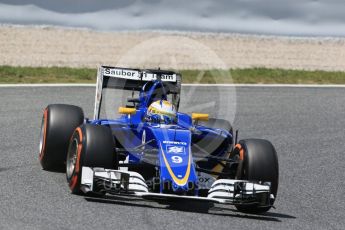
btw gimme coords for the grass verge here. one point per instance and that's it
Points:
(13, 75)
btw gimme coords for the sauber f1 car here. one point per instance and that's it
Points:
(153, 151)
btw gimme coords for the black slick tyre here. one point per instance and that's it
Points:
(260, 163)
(58, 123)
(90, 146)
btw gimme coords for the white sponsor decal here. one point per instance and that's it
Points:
(122, 73)
(164, 77)
(175, 149)
(175, 142)
(176, 159)
(135, 75)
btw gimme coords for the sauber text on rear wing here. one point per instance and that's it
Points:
(132, 79)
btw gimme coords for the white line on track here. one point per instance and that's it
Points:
(199, 85)
(270, 85)
(46, 85)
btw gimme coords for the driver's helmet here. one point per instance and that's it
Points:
(162, 112)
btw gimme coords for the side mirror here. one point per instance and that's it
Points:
(200, 116)
(124, 110)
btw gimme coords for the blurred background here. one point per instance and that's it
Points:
(277, 17)
(260, 41)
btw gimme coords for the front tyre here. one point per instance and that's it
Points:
(58, 123)
(90, 146)
(260, 163)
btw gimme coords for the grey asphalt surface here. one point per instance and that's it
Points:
(306, 125)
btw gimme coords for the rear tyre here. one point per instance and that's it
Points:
(260, 163)
(58, 124)
(90, 146)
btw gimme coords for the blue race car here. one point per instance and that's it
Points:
(153, 151)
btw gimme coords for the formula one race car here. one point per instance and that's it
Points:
(153, 151)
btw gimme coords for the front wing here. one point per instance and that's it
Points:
(223, 191)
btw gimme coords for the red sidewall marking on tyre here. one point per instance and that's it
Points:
(73, 182)
(241, 151)
(74, 179)
(45, 121)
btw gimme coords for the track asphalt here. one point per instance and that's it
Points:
(306, 125)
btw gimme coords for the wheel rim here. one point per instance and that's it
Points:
(42, 136)
(72, 158)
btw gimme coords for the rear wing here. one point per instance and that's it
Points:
(132, 79)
